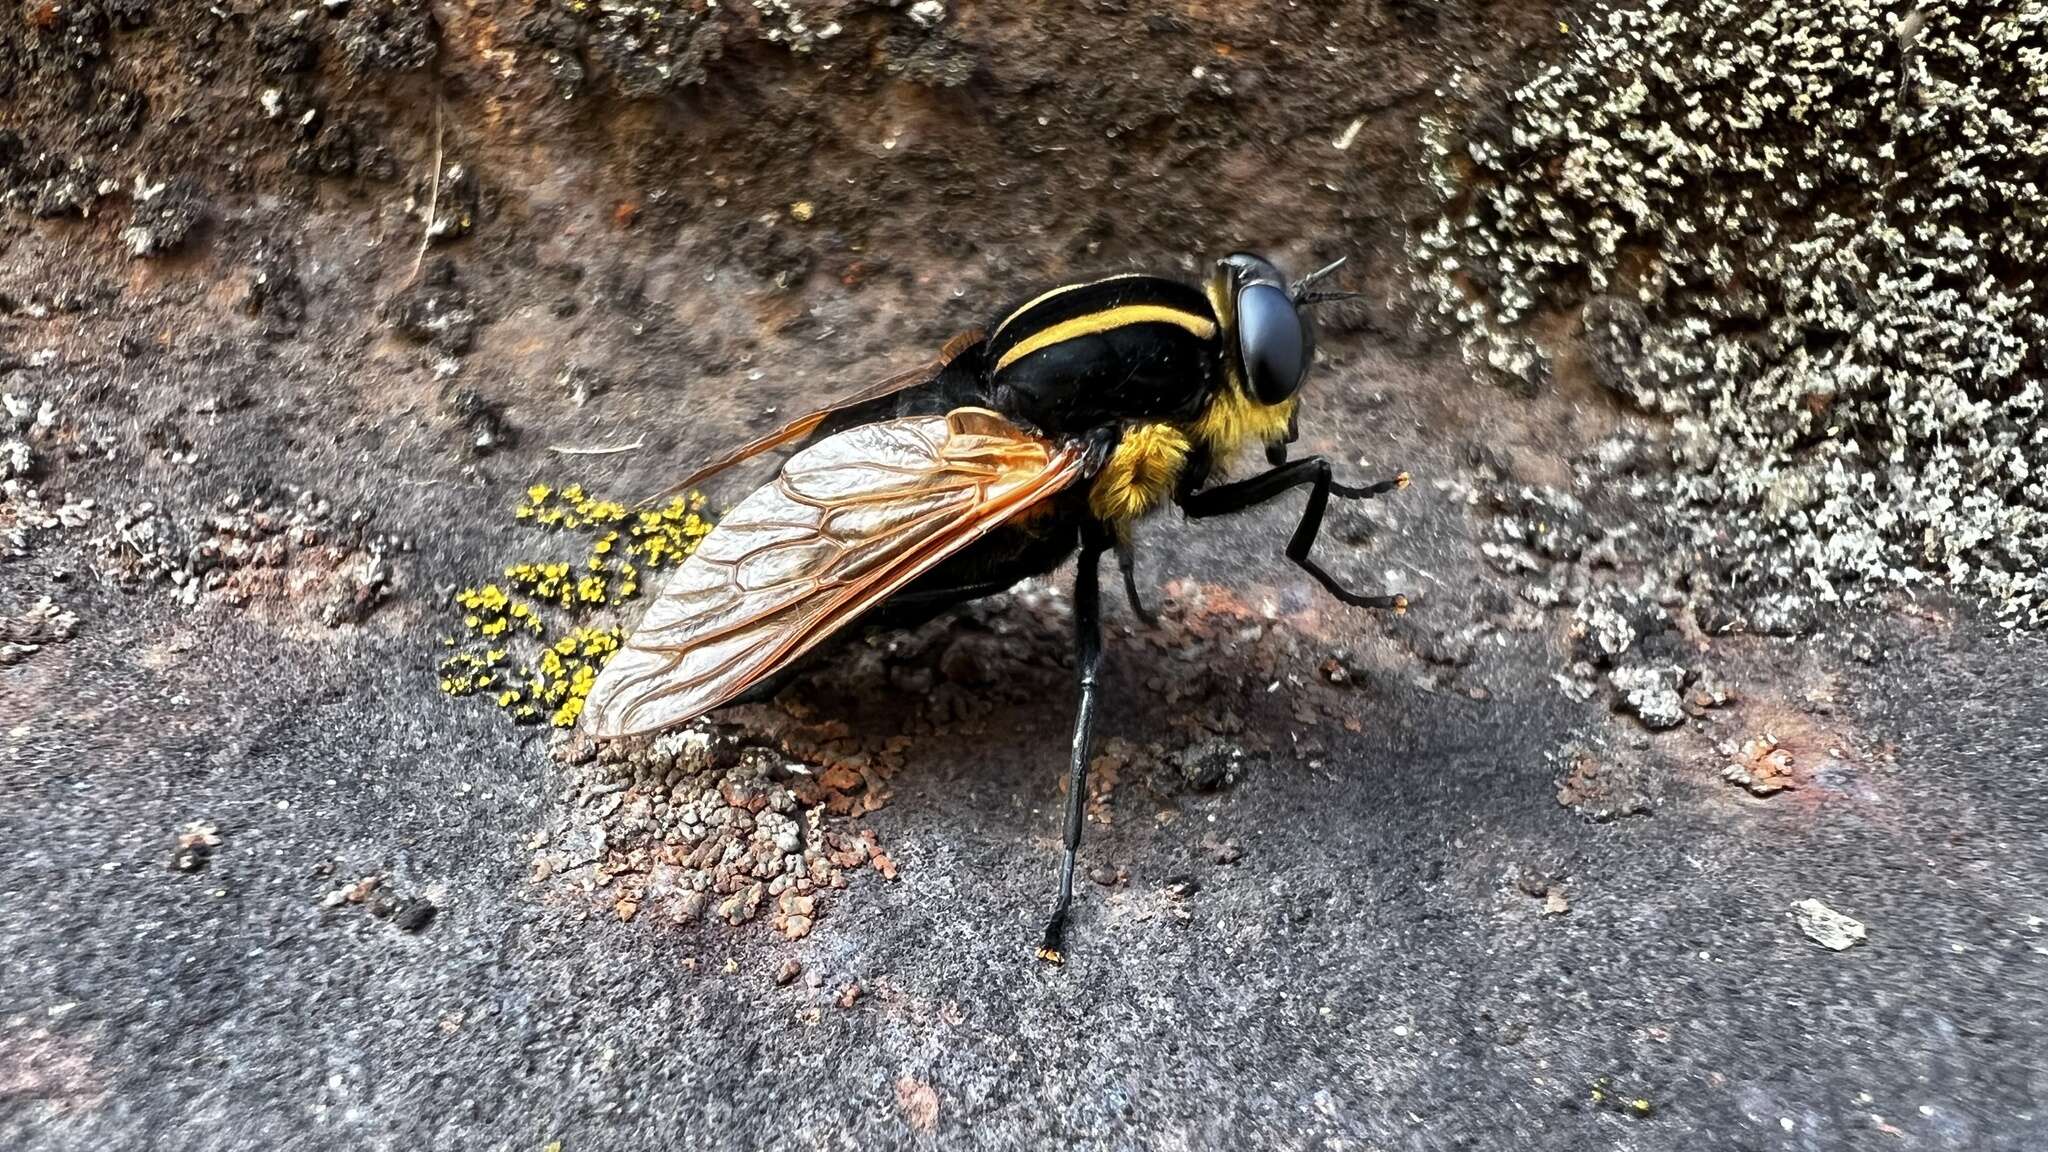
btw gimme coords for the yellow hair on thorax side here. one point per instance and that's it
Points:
(1140, 474)
(1234, 421)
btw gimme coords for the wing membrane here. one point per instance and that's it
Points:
(808, 423)
(849, 520)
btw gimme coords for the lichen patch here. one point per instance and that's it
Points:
(526, 642)
(1812, 235)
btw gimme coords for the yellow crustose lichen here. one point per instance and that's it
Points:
(517, 648)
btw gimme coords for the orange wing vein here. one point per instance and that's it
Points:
(849, 520)
(808, 423)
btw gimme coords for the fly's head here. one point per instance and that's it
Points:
(1267, 332)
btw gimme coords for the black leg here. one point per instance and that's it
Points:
(1087, 661)
(1127, 560)
(1276, 454)
(1313, 471)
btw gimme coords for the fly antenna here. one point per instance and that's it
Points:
(1308, 298)
(1301, 292)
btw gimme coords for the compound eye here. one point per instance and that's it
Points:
(1273, 341)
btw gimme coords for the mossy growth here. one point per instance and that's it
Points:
(527, 643)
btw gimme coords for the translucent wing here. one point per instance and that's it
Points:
(808, 423)
(849, 520)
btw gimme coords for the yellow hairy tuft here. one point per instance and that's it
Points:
(1235, 421)
(1140, 474)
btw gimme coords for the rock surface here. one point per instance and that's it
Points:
(1370, 882)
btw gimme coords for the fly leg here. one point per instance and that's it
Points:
(1087, 661)
(1127, 560)
(1313, 471)
(1276, 452)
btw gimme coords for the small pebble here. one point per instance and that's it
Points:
(416, 915)
(1826, 927)
(196, 842)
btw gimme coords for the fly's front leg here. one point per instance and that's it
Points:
(1087, 663)
(1276, 454)
(1313, 471)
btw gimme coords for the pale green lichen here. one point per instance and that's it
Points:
(524, 644)
(1813, 233)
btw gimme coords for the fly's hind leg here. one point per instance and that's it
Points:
(1087, 663)
(1313, 471)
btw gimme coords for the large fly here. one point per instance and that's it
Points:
(1081, 411)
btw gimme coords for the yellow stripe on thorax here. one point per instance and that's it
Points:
(1062, 290)
(1103, 321)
